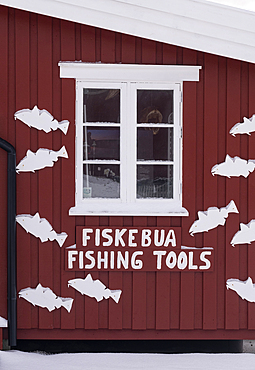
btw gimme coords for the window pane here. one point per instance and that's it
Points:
(101, 181)
(101, 143)
(155, 106)
(154, 181)
(101, 105)
(155, 143)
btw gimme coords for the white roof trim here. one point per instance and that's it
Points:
(128, 72)
(195, 24)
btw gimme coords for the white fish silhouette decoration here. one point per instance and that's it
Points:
(245, 127)
(245, 289)
(3, 322)
(245, 235)
(40, 228)
(45, 298)
(212, 218)
(94, 289)
(234, 167)
(41, 119)
(41, 159)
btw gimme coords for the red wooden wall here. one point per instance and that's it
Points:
(153, 305)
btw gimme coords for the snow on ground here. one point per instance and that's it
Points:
(15, 360)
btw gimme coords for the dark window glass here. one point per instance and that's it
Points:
(101, 181)
(155, 143)
(101, 143)
(154, 181)
(155, 106)
(101, 105)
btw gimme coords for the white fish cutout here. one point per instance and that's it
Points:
(245, 127)
(94, 289)
(41, 228)
(41, 159)
(41, 119)
(212, 218)
(245, 235)
(3, 322)
(45, 298)
(245, 289)
(234, 167)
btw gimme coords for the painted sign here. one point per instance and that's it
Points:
(135, 249)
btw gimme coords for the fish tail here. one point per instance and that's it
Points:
(63, 126)
(63, 152)
(60, 238)
(67, 303)
(115, 295)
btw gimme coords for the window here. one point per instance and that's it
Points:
(128, 138)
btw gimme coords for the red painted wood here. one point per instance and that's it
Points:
(91, 305)
(163, 290)
(128, 49)
(3, 160)
(103, 306)
(68, 167)
(107, 46)
(88, 41)
(199, 237)
(80, 334)
(251, 194)
(23, 180)
(169, 54)
(56, 173)
(127, 285)
(148, 51)
(221, 191)
(115, 282)
(139, 290)
(210, 183)
(243, 207)
(151, 288)
(44, 188)
(189, 189)
(34, 146)
(208, 106)
(232, 192)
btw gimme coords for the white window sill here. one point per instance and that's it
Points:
(113, 207)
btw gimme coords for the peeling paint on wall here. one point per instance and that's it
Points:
(40, 228)
(41, 159)
(94, 289)
(212, 218)
(45, 298)
(41, 119)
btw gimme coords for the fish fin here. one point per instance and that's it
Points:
(243, 227)
(37, 216)
(201, 214)
(249, 281)
(228, 159)
(29, 153)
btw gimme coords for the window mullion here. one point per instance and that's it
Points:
(131, 149)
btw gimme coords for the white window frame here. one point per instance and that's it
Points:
(129, 78)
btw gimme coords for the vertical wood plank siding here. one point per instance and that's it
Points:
(31, 47)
